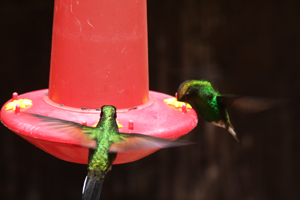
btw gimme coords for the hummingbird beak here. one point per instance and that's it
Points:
(232, 132)
(177, 96)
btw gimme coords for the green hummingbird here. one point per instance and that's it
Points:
(212, 105)
(209, 103)
(104, 142)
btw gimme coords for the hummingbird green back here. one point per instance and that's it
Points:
(105, 134)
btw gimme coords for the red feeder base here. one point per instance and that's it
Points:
(153, 118)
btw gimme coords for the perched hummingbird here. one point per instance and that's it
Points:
(212, 105)
(104, 142)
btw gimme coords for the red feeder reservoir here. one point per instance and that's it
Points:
(99, 57)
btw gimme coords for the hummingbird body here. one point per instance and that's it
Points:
(105, 134)
(100, 160)
(209, 103)
(104, 142)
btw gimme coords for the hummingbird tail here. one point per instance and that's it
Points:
(92, 188)
(227, 126)
(232, 132)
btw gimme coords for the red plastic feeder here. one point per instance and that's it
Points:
(99, 57)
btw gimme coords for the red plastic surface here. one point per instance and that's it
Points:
(99, 53)
(157, 119)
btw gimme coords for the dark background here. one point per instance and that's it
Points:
(243, 47)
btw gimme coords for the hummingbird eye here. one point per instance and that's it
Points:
(187, 95)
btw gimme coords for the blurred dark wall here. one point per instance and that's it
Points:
(243, 47)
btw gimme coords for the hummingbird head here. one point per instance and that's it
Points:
(108, 111)
(188, 90)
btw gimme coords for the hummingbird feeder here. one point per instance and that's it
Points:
(99, 57)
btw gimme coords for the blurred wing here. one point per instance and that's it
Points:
(75, 130)
(227, 99)
(250, 104)
(134, 142)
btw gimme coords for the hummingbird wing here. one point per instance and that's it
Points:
(135, 141)
(78, 131)
(250, 104)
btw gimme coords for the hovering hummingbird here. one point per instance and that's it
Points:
(104, 142)
(212, 105)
